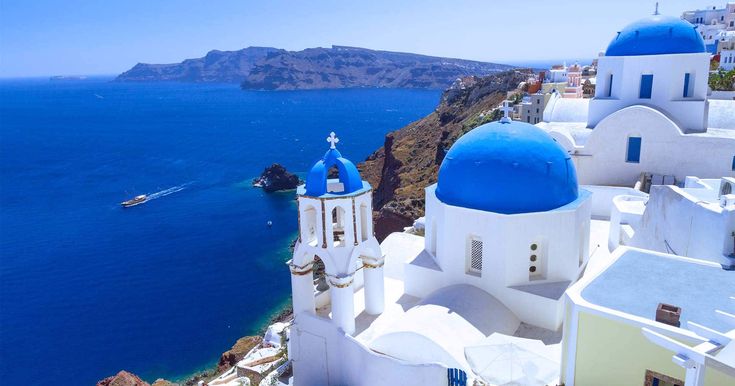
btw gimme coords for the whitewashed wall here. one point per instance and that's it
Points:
(323, 355)
(679, 223)
(667, 92)
(563, 235)
(665, 150)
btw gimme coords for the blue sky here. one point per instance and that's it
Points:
(45, 37)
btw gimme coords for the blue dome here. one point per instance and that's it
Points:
(507, 167)
(316, 181)
(656, 35)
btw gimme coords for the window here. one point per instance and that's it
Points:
(338, 226)
(433, 237)
(634, 150)
(686, 85)
(528, 119)
(657, 379)
(733, 164)
(475, 256)
(309, 232)
(537, 261)
(537, 111)
(609, 86)
(646, 86)
(364, 230)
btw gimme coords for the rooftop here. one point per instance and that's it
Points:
(650, 278)
(656, 35)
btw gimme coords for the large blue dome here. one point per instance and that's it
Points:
(656, 35)
(507, 167)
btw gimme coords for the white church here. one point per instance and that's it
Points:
(595, 248)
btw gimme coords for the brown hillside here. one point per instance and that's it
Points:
(410, 157)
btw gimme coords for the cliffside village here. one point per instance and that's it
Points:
(585, 238)
(715, 25)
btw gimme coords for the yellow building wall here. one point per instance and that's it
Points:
(614, 353)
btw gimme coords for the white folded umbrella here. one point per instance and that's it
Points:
(506, 360)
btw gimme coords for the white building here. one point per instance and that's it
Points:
(650, 114)
(488, 293)
(727, 50)
(474, 282)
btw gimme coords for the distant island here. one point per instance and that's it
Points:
(267, 68)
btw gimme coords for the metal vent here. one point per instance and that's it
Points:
(476, 255)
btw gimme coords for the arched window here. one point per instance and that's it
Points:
(364, 223)
(338, 226)
(309, 231)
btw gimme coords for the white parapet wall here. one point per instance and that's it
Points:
(324, 355)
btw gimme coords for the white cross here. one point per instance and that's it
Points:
(332, 139)
(506, 109)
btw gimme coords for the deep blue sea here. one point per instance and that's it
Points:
(161, 289)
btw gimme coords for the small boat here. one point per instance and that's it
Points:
(135, 201)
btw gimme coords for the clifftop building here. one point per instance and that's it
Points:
(580, 251)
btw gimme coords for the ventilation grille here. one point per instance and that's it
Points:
(476, 255)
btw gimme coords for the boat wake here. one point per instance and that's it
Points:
(168, 191)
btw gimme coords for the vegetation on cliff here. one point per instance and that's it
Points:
(410, 157)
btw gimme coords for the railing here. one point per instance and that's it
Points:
(456, 377)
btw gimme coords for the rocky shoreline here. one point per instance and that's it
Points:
(227, 359)
(397, 171)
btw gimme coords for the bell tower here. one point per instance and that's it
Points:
(336, 224)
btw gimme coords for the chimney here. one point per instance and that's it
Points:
(668, 314)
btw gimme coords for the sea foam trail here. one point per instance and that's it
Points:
(166, 192)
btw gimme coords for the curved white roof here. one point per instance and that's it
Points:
(439, 328)
(566, 109)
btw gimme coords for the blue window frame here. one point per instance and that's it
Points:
(646, 86)
(634, 150)
(686, 84)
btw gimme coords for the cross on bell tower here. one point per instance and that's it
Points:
(333, 140)
(506, 109)
(656, 11)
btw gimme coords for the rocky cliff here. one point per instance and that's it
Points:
(265, 68)
(350, 67)
(410, 157)
(276, 178)
(216, 66)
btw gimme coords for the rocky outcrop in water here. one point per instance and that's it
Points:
(410, 157)
(276, 178)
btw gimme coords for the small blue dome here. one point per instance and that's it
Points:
(349, 177)
(656, 35)
(507, 167)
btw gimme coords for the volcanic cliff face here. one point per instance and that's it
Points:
(216, 66)
(266, 68)
(351, 67)
(410, 158)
